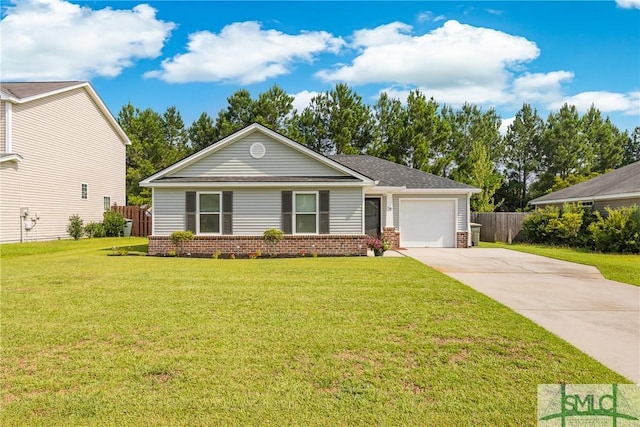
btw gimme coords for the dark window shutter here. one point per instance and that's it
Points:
(227, 212)
(287, 212)
(324, 212)
(190, 211)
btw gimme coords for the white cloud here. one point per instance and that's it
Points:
(302, 99)
(243, 52)
(454, 96)
(540, 87)
(606, 102)
(504, 125)
(453, 62)
(628, 4)
(57, 40)
(427, 16)
(393, 33)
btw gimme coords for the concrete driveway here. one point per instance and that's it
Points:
(598, 316)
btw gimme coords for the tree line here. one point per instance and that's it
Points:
(534, 157)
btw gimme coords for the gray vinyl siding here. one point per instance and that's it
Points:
(598, 205)
(279, 160)
(614, 204)
(461, 221)
(256, 209)
(168, 210)
(65, 140)
(345, 207)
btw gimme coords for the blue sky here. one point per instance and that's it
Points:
(195, 54)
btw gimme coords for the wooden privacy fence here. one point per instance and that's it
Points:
(500, 226)
(141, 225)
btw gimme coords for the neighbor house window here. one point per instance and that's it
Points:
(306, 213)
(209, 213)
(84, 191)
(107, 203)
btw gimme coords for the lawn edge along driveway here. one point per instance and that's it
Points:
(598, 316)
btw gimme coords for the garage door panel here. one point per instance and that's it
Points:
(427, 223)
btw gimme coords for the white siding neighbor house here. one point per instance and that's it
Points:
(229, 193)
(61, 153)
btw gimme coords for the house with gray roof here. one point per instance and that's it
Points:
(614, 189)
(62, 153)
(229, 193)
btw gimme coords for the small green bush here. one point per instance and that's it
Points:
(553, 226)
(75, 228)
(272, 235)
(179, 237)
(566, 228)
(113, 223)
(619, 231)
(585, 237)
(94, 229)
(535, 225)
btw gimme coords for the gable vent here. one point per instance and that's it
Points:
(257, 150)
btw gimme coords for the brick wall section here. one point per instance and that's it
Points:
(392, 236)
(242, 246)
(462, 239)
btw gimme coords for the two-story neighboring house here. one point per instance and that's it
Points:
(61, 153)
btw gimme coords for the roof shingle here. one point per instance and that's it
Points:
(28, 89)
(391, 174)
(624, 180)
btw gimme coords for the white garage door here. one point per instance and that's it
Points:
(427, 223)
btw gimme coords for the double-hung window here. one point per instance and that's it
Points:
(208, 213)
(306, 213)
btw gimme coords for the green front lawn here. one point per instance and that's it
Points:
(92, 339)
(621, 268)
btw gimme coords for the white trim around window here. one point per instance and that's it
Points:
(209, 208)
(305, 213)
(106, 203)
(84, 191)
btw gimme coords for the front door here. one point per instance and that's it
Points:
(372, 216)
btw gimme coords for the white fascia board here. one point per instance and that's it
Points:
(588, 198)
(251, 184)
(404, 190)
(245, 132)
(460, 191)
(11, 158)
(14, 100)
(105, 111)
(385, 190)
(92, 93)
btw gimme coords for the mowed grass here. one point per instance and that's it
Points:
(92, 339)
(623, 268)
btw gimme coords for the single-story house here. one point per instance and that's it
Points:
(229, 193)
(614, 189)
